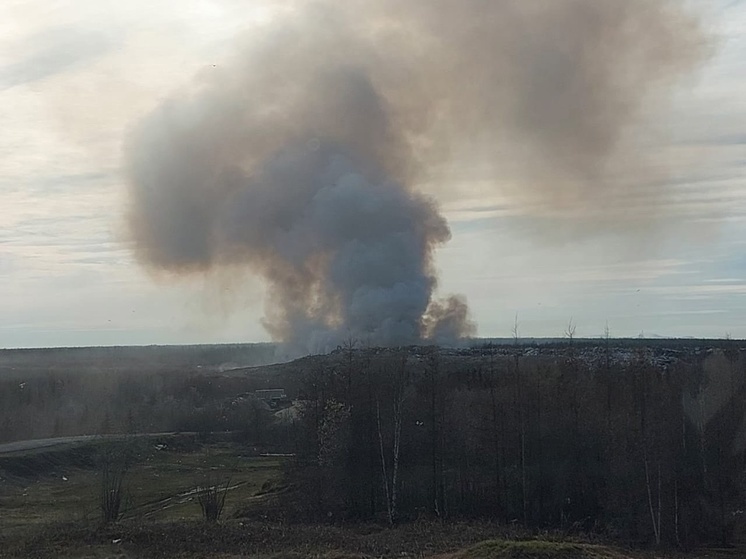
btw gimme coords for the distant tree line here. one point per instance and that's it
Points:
(68, 404)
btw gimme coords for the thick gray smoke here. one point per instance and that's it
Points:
(304, 158)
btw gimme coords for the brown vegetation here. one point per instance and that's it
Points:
(641, 443)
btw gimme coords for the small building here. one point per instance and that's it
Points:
(271, 394)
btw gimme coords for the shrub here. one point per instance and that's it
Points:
(211, 499)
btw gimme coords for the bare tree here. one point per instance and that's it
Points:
(607, 372)
(492, 369)
(390, 475)
(643, 389)
(570, 331)
(349, 345)
(521, 415)
(334, 447)
(211, 499)
(437, 397)
(655, 515)
(115, 459)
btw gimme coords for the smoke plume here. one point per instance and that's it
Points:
(304, 159)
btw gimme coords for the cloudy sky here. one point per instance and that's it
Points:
(76, 75)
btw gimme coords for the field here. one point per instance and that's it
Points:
(49, 507)
(42, 489)
(161, 486)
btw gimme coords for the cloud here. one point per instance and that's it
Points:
(52, 52)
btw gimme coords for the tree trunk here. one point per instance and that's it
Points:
(391, 486)
(384, 472)
(653, 517)
(495, 431)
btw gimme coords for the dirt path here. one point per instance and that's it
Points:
(37, 444)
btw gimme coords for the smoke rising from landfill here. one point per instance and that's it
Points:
(304, 158)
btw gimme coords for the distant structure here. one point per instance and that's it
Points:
(270, 394)
(273, 397)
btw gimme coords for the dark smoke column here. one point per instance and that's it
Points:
(303, 159)
(345, 248)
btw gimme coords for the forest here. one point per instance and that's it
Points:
(641, 443)
(642, 447)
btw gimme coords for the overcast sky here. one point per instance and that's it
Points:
(76, 75)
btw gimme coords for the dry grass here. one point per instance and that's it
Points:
(539, 549)
(160, 486)
(193, 539)
(238, 539)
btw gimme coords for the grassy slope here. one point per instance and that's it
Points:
(64, 486)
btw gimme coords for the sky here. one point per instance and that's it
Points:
(77, 75)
